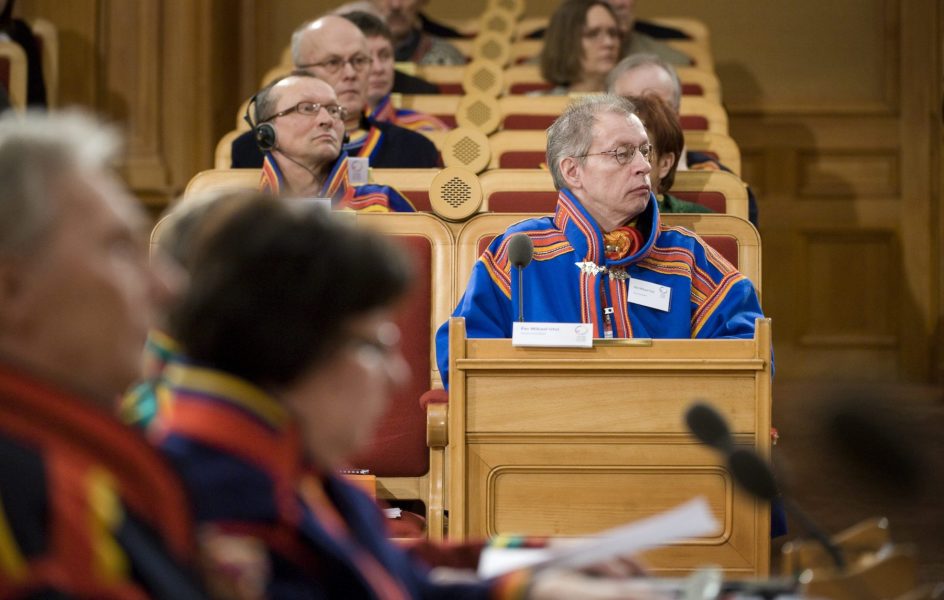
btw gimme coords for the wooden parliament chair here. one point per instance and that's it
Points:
(719, 146)
(412, 183)
(466, 147)
(213, 180)
(532, 190)
(47, 37)
(540, 444)
(448, 78)
(518, 190)
(223, 155)
(483, 76)
(441, 106)
(538, 112)
(700, 53)
(13, 73)
(407, 453)
(524, 78)
(720, 191)
(526, 148)
(518, 149)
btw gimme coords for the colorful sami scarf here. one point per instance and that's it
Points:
(386, 112)
(343, 195)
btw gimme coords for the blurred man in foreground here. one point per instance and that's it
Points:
(88, 510)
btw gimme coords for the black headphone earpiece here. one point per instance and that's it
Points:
(262, 133)
(345, 140)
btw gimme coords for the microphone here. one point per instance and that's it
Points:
(520, 253)
(709, 427)
(751, 472)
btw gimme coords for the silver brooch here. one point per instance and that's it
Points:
(590, 268)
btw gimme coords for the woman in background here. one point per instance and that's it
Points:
(581, 45)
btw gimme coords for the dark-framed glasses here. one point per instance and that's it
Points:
(311, 109)
(624, 154)
(358, 62)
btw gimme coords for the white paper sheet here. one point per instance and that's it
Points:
(688, 520)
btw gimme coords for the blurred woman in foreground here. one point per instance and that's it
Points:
(291, 357)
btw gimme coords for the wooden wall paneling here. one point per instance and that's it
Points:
(920, 119)
(131, 76)
(79, 24)
(200, 82)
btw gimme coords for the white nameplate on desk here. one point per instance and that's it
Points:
(552, 335)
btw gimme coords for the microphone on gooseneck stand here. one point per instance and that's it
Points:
(752, 472)
(520, 253)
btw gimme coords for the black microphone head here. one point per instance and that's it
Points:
(520, 250)
(752, 473)
(708, 426)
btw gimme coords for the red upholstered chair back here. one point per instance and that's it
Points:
(693, 122)
(399, 445)
(522, 159)
(530, 201)
(5, 72)
(713, 200)
(720, 191)
(419, 199)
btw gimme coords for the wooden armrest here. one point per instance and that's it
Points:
(436, 403)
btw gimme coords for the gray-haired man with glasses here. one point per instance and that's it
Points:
(334, 50)
(604, 258)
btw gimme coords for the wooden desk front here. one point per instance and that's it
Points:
(567, 442)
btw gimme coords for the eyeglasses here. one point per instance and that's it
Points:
(624, 154)
(334, 64)
(311, 109)
(597, 33)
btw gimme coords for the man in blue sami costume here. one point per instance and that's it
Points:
(300, 126)
(604, 247)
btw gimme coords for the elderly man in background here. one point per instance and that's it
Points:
(605, 253)
(382, 78)
(410, 41)
(644, 39)
(334, 50)
(88, 510)
(647, 73)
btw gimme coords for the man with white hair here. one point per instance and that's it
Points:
(604, 255)
(78, 514)
(642, 74)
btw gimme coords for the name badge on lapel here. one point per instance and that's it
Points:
(649, 294)
(358, 170)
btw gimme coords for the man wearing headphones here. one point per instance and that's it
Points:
(299, 130)
(334, 50)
